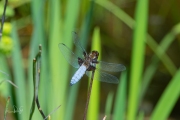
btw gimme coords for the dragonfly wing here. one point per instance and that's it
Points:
(110, 67)
(104, 77)
(77, 43)
(69, 55)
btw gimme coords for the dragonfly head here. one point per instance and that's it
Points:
(94, 55)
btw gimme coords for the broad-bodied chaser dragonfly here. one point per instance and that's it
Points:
(89, 63)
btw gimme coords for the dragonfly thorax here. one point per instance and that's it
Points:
(89, 61)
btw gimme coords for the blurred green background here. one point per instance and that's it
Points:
(142, 35)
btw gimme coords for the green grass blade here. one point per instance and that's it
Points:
(71, 102)
(108, 107)
(120, 101)
(57, 77)
(34, 84)
(93, 110)
(137, 61)
(164, 58)
(119, 13)
(19, 75)
(168, 99)
(87, 23)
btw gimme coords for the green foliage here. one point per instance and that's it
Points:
(53, 21)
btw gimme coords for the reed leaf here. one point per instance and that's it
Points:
(108, 107)
(19, 75)
(171, 94)
(55, 58)
(93, 110)
(120, 101)
(137, 60)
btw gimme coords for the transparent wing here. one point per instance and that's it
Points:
(77, 43)
(110, 67)
(104, 77)
(69, 55)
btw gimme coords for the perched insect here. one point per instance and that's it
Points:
(89, 63)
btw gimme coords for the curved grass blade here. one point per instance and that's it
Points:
(4, 72)
(164, 45)
(170, 94)
(9, 81)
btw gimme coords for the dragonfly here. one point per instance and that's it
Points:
(85, 63)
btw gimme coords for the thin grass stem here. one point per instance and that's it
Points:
(88, 97)
(3, 18)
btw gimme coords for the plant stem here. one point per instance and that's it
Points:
(3, 19)
(88, 97)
